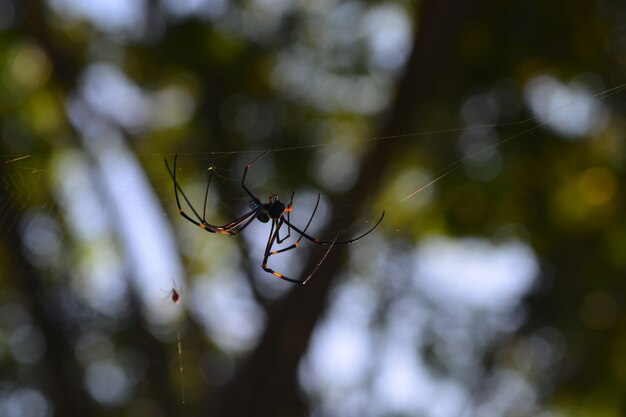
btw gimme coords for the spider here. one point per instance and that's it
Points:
(175, 295)
(273, 210)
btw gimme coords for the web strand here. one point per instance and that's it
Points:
(596, 97)
(180, 367)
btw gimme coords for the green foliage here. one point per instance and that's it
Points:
(507, 117)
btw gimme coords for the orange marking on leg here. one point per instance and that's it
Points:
(296, 244)
(202, 225)
(277, 274)
(274, 253)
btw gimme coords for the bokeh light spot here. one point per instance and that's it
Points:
(23, 402)
(27, 344)
(597, 185)
(29, 66)
(569, 109)
(107, 383)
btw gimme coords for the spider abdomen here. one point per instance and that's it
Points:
(263, 216)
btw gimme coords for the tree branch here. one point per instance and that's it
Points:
(267, 384)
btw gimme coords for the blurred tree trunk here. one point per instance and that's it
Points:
(267, 384)
(58, 362)
(67, 394)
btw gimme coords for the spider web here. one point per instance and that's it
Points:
(22, 178)
(51, 219)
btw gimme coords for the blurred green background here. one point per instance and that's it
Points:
(496, 290)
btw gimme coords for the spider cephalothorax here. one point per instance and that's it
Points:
(274, 210)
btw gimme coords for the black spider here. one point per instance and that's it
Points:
(274, 210)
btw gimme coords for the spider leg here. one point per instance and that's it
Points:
(245, 172)
(333, 242)
(248, 218)
(323, 258)
(270, 242)
(268, 246)
(201, 222)
(297, 242)
(268, 252)
(206, 193)
(288, 211)
(235, 227)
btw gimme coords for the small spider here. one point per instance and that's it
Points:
(175, 296)
(273, 210)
